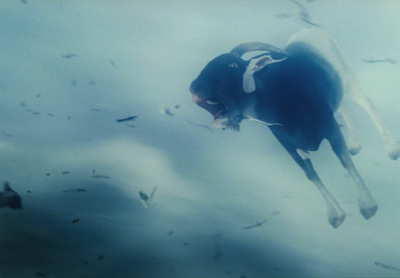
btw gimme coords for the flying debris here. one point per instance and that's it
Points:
(24, 105)
(96, 176)
(146, 200)
(33, 112)
(75, 220)
(387, 60)
(101, 177)
(40, 274)
(282, 16)
(258, 224)
(77, 190)
(65, 173)
(10, 198)
(387, 266)
(304, 14)
(92, 82)
(166, 111)
(69, 55)
(126, 119)
(100, 257)
(112, 63)
(200, 125)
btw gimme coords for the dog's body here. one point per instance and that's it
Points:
(296, 93)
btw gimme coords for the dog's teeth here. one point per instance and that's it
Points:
(212, 102)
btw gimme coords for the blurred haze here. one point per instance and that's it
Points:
(70, 69)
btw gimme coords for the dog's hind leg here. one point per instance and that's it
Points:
(354, 143)
(366, 203)
(354, 92)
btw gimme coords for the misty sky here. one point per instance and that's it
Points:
(70, 69)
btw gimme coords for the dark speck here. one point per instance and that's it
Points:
(131, 118)
(100, 257)
(33, 112)
(68, 56)
(166, 111)
(282, 16)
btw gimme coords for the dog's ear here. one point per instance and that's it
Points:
(256, 64)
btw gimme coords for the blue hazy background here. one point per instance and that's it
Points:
(69, 69)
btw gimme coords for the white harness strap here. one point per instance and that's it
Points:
(256, 64)
(259, 121)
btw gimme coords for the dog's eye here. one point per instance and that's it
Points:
(233, 65)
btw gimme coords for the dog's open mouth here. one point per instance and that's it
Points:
(213, 105)
(218, 109)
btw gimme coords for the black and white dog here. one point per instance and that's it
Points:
(295, 92)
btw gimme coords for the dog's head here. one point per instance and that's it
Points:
(223, 85)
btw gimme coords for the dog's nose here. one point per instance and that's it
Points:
(195, 87)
